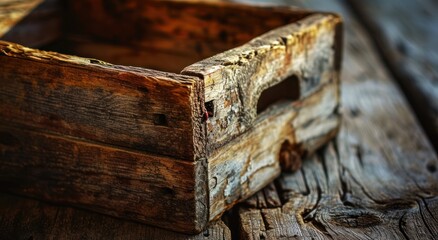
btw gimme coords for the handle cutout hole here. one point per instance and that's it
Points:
(286, 90)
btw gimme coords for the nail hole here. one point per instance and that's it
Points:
(168, 191)
(431, 167)
(160, 119)
(143, 89)
(209, 106)
(286, 90)
(354, 112)
(223, 36)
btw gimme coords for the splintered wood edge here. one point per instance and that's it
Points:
(18, 51)
(206, 69)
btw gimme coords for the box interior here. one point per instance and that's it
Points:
(160, 35)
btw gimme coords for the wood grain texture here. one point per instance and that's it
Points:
(378, 180)
(85, 116)
(30, 219)
(327, 200)
(62, 111)
(33, 23)
(243, 149)
(191, 30)
(129, 107)
(252, 160)
(406, 34)
(235, 79)
(78, 101)
(130, 185)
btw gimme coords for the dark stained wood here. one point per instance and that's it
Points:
(123, 54)
(406, 32)
(122, 183)
(130, 107)
(192, 30)
(30, 219)
(33, 23)
(378, 180)
(88, 133)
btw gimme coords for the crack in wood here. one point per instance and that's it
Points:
(419, 203)
(401, 226)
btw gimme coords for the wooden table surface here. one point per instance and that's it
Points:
(377, 180)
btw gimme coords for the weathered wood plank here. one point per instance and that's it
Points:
(406, 32)
(23, 218)
(251, 161)
(124, 106)
(234, 80)
(30, 22)
(328, 200)
(71, 99)
(378, 180)
(130, 185)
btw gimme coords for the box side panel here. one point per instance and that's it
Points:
(83, 98)
(235, 80)
(250, 151)
(130, 185)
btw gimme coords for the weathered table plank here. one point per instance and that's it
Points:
(406, 32)
(378, 180)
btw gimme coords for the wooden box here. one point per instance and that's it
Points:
(241, 92)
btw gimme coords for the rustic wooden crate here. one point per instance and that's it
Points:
(243, 91)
